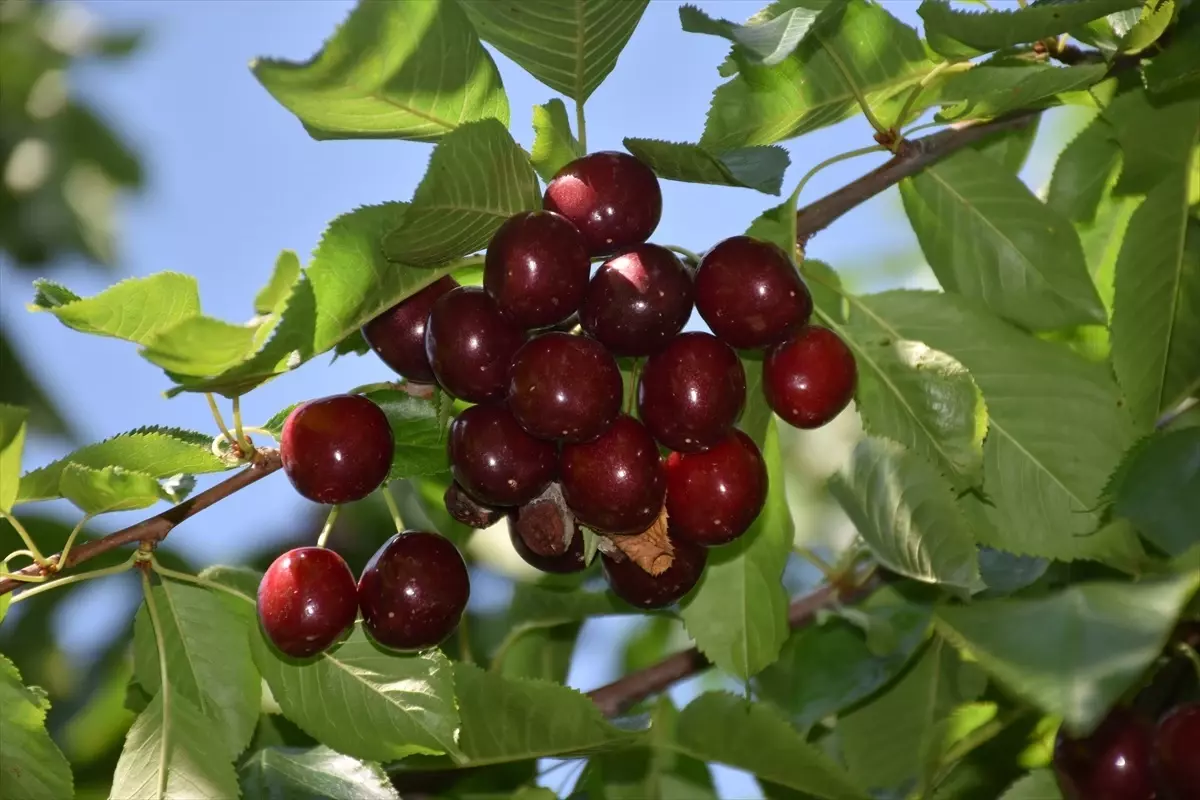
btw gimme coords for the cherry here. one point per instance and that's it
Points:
(495, 460)
(470, 345)
(336, 449)
(691, 393)
(398, 335)
(564, 387)
(638, 300)
(413, 591)
(750, 294)
(1113, 763)
(713, 496)
(536, 269)
(612, 198)
(306, 601)
(1177, 752)
(639, 588)
(467, 510)
(614, 484)
(810, 377)
(537, 532)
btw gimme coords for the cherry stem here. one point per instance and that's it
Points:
(848, 79)
(163, 680)
(915, 92)
(61, 558)
(34, 553)
(196, 580)
(683, 251)
(826, 569)
(332, 518)
(243, 443)
(581, 126)
(1188, 653)
(216, 414)
(464, 640)
(862, 151)
(393, 509)
(47, 586)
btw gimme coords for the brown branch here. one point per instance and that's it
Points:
(157, 527)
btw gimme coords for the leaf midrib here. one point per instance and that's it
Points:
(1176, 291)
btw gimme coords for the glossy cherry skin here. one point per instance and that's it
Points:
(715, 495)
(413, 591)
(1177, 752)
(639, 588)
(470, 345)
(467, 510)
(615, 483)
(495, 460)
(564, 387)
(691, 393)
(306, 600)
(1113, 763)
(398, 335)
(536, 269)
(750, 294)
(612, 198)
(638, 301)
(563, 563)
(336, 449)
(810, 377)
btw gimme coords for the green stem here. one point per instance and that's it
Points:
(464, 640)
(812, 558)
(36, 554)
(924, 126)
(242, 442)
(862, 151)
(164, 684)
(125, 566)
(633, 379)
(393, 509)
(216, 414)
(683, 251)
(332, 518)
(66, 551)
(580, 126)
(902, 117)
(856, 91)
(196, 580)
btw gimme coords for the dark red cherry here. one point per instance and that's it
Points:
(1113, 763)
(536, 269)
(564, 387)
(639, 588)
(614, 484)
(495, 460)
(713, 496)
(612, 198)
(691, 393)
(536, 531)
(467, 510)
(810, 377)
(306, 601)
(1177, 752)
(413, 591)
(638, 301)
(398, 335)
(470, 345)
(750, 294)
(336, 449)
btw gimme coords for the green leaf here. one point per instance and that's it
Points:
(478, 177)
(987, 237)
(906, 514)
(1156, 17)
(1157, 488)
(1073, 653)
(173, 752)
(554, 146)
(738, 613)
(201, 346)
(1083, 170)
(570, 47)
(134, 309)
(12, 444)
(411, 70)
(283, 278)
(420, 447)
(949, 29)
(777, 225)
(1010, 149)
(541, 653)
(758, 168)
(1177, 67)
(31, 765)
(97, 491)
(208, 659)
(767, 42)
(986, 92)
(317, 773)
(1156, 139)
(861, 46)
(154, 451)
(1037, 785)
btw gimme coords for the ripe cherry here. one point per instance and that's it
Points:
(713, 496)
(810, 377)
(470, 345)
(639, 588)
(638, 301)
(564, 387)
(691, 393)
(1177, 752)
(1113, 763)
(413, 591)
(536, 269)
(750, 294)
(614, 484)
(612, 198)
(306, 601)
(336, 449)
(495, 460)
(536, 530)
(467, 510)
(398, 335)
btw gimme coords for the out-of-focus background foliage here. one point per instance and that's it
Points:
(134, 139)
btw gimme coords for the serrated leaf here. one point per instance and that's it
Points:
(1178, 66)
(1157, 488)
(134, 309)
(12, 444)
(1073, 653)
(906, 514)
(737, 615)
(950, 29)
(987, 91)
(987, 237)
(208, 659)
(31, 765)
(1156, 17)
(411, 70)
(317, 773)
(98, 491)
(1083, 171)
(420, 448)
(202, 346)
(767, 42)
(1037, 785)
(570, 47)
(283, 278)
(777, 225)
(541, 653)
(1003, 572)
(760, 168)
(173, 752)
(554, 146)
(1156, 138)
